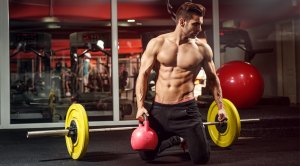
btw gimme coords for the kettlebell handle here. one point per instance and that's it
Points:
(145, 118)
(144, 123)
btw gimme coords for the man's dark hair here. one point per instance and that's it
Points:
(187, 9)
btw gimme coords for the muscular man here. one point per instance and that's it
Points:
(177, 58)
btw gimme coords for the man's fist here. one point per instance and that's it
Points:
(222, 116)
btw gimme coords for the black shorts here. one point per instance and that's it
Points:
(183, 120)
(174, 118)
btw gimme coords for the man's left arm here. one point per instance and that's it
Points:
(213, 81)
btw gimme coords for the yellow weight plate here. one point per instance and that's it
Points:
(233, 129)
(77, 121)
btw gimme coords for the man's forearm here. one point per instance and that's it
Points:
(217, 92)
(218, 97)
(141, 86)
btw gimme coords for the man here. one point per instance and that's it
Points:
(177, 58)
(123, 76)
(86, 70)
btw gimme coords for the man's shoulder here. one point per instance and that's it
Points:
(204, 47)
(202, 44)
(161, 38)
(156, 42)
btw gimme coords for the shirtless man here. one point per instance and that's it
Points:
(177, 58)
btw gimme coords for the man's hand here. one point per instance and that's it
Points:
(140, 112)
(222, 116)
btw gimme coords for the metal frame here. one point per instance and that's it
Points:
(4, 67)
(216, 30)
(115, 59)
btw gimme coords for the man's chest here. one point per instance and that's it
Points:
(185, 56)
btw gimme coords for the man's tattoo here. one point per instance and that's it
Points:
(141, 95)
(219, 98)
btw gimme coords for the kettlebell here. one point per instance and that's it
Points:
(144, 138)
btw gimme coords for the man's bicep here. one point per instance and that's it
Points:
(209, 66)
(209, 69)
(148, 57)
(147, 63)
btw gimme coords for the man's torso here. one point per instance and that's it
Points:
(177, 66)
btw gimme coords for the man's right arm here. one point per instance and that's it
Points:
(147, 62)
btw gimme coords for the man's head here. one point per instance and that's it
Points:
(122, 67)
(190, 17)
(188, 9)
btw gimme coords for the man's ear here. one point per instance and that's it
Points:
(182, 22)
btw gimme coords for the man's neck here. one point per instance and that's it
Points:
(179, 36)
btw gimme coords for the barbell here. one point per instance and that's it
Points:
(76, 131)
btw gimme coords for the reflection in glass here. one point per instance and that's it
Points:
(60, 53)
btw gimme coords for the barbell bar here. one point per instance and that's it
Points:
(65, 132)
(225, 122)
(77, 130)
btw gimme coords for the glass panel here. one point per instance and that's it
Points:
(138, 22)
(263, 34)
(60, 53)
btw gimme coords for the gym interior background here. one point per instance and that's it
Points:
(56, 52)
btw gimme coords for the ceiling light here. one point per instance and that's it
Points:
(50, 19)
(131, 20)
(53, 26)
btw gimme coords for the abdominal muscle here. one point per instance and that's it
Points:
(174, 86)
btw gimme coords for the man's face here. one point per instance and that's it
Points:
(192, 27)
(122, 67)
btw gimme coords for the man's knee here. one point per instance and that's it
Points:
(199, 150)
(201, 159)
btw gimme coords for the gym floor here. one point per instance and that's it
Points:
(275, 140)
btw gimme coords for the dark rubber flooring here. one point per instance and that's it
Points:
(273, 141)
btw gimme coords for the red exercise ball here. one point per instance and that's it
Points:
(241, 83)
